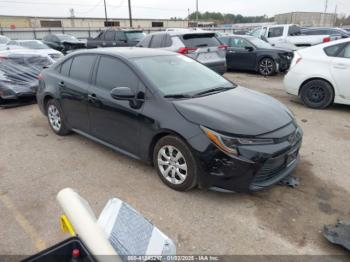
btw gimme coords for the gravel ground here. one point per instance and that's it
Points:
(35, 164)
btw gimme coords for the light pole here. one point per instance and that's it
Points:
(105, 12)
(130, 15)
(197, 12)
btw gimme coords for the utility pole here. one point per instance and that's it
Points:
(130, 15)
(326, 6)
(335, 15)
(197, 12)
(105, 12)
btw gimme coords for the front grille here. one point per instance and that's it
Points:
(270, 169)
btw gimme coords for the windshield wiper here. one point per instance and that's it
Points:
(178, 96)
(213, 90)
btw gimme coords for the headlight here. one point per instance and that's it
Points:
(229, 144)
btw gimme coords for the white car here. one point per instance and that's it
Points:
(4, 40)
(320, 75)
(37, 46)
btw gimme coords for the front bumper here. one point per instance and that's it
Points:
(258, 168)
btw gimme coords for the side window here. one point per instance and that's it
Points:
(239, 43)
(167, 41)
(120, 36)
(334, 50)
(275, 32)
(109, 35)
(157, 41)
(145, 42)
(81, 67)
(65, 67)
(224, 40)
(345, 53)
(113, 73)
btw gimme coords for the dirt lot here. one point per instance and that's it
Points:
(35, 164)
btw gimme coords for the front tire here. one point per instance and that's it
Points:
(317, 94)
(267, 67)
(56, 118)
(175, 163)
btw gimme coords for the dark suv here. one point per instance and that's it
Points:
(116, 37)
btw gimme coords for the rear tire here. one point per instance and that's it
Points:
(317, 94)
(175, 163)
(56, 118)
(267, 67)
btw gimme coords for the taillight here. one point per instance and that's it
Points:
(223, 47)
(296, 60)
(40, 77)
(326, 39)
(186, 50)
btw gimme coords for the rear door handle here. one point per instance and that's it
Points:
(92, 98)
(61, 84)
(340, 66)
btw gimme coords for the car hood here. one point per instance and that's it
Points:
(238, 112)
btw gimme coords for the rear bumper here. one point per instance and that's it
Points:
(218, 67)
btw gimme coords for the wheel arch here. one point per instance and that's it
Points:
(46, 99)
(157, 137)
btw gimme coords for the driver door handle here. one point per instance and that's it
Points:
(92, 98)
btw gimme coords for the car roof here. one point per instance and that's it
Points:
(28, 40)
(241, 36)
(183, 32)
(127, 52)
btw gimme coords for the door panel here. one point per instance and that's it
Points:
(74, 91)
(238, 57)
(114, 121)
(340, 69)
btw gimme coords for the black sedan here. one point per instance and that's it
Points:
(63, 43)
(196, 127)
(253, 54)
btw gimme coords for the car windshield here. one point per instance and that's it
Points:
(259, 43)
(180, 75)
(67, 38)
(34, 45)
(135, 35)
(3, 40)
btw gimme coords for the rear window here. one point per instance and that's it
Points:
(200, 40)
(334, 50)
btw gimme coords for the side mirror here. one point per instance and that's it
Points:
(122, 93)
(249, 48)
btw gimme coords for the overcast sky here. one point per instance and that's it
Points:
(165, 8)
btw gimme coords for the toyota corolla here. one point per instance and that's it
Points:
(193, 125)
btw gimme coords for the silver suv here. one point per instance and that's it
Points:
(199, 45)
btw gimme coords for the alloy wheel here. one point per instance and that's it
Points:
(54, 117)
(266, 67)
(172, 164)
